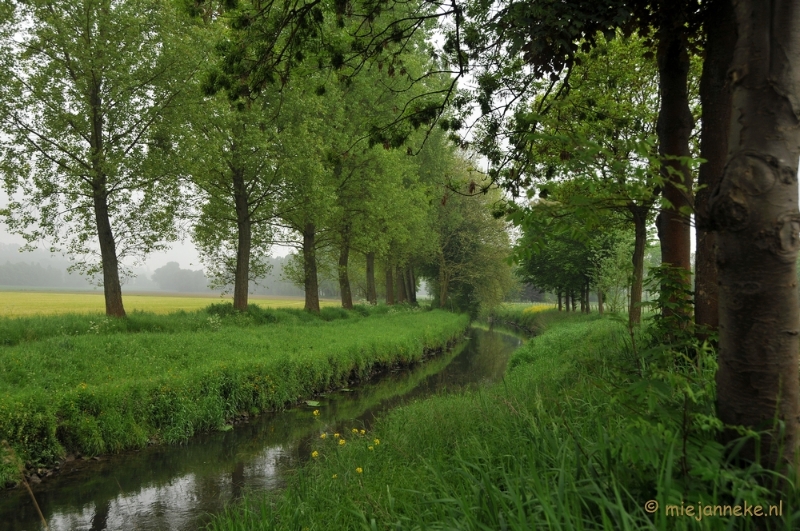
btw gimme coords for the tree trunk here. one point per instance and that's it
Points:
(112, 289)
(559, 300)
(588, 293)
(372, 293)
(310, 268)
(754, 210)
(574, 302)
(715, 99)
(639, 214)
(566, 299)
(674, 129)
(583, 298)
(344, 278)
(389, 284)
(600, 296)
(444, 282)
(411, 289)
(241, 279)
(401, 285)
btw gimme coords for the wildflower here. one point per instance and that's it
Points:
(316, 412)
(363, 432)
(355, 430)
(335, 435)
(341, 442)
(370, 448)
(335, 476)
(323, 435)
(315, 454)
(377, 442)
(359, 470)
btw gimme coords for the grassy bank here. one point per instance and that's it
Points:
(108, 385)
(586, 432)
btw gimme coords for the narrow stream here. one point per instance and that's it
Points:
(179, 487)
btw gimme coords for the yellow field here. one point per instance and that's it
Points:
(23, 303)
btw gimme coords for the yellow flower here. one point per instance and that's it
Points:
(359, 470)
(355, 430)
(363, 432)
(335, 476)
(335, 435)
(341, 442)
(377, 442)
(315, 454)
(316, 412)
(323, 435)
(371, 448)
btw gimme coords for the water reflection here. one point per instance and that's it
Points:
(177, 487)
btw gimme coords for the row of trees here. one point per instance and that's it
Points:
(118, 138)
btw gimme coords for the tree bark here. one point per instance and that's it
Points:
(112, 288)
(559, 300)
(372, 293)
(600, 296)
(241, 280)
(344, 278)
(639, 214)
(754, 209)
(715, 98)
(389, 284)
(574, 302)
(411, 288)
(444, 282)
(566, 299)
(310, 268)
(588, 292)
(401, 285)
(583, 298)
(674, 129)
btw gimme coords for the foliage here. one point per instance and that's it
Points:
(87, 116)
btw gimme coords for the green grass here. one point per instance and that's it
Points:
(100, 388)
(581, 434)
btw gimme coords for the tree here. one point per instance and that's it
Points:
(719, 23)
(593, 150)
(754, 211)
(469, 261)
(86, 129)
(238, 162)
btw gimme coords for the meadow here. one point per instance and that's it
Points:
(29, 303)
(589, 430)
(88, 384)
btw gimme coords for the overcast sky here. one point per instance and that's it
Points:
(184, 253)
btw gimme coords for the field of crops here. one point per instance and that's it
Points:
(26, 303)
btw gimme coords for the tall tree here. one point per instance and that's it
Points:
(754, 210)
(237, 165)
(719, 24)
(86, 129)
(593, 150)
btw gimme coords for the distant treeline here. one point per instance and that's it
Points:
(39, 269)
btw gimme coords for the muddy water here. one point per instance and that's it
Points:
(179, 487)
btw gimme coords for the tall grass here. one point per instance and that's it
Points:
(104, 388)
(582, 434)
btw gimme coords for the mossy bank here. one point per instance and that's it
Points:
(104, 386)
